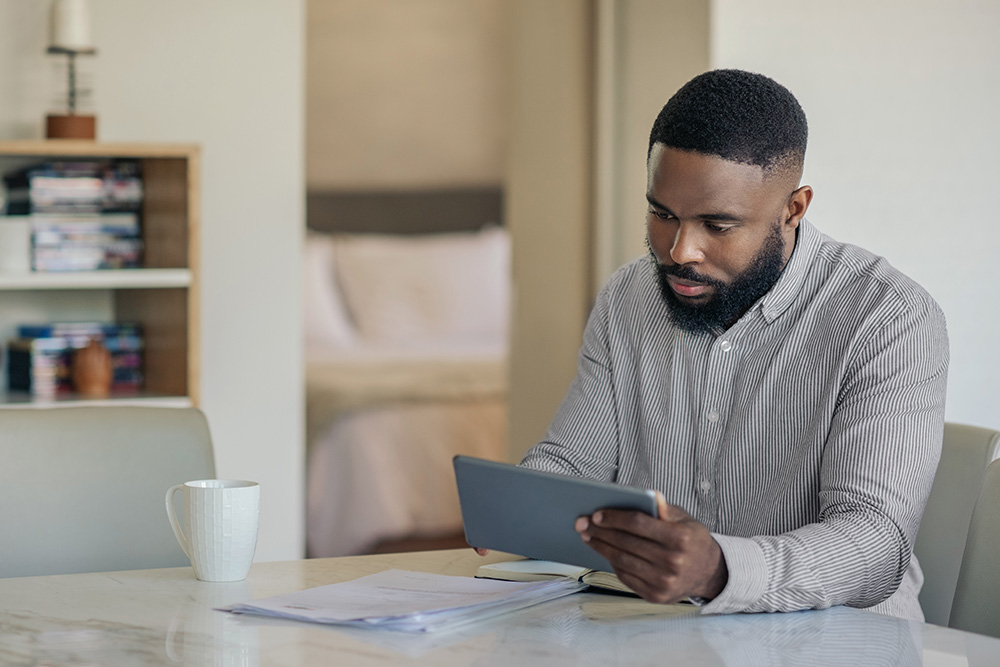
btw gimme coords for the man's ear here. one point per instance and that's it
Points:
(796, 206)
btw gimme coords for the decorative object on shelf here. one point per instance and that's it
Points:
(92, 370)
(70, 36)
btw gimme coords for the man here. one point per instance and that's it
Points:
(784, 392)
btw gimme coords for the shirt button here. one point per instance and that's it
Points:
(726, 346)
(713, 416)
(705, 486)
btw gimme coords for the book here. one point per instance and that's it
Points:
(84, 186)
(88, 256)
(529, 569)
(52, 227)
(102, 329)
(85, 242)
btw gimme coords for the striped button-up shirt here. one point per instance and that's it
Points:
(805, 436)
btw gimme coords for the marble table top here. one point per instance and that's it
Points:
(167, 617)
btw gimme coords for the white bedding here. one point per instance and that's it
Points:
(383, 473)
(390, 400)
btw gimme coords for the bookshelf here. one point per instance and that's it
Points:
(162, 295)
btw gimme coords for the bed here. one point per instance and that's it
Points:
(406, 344)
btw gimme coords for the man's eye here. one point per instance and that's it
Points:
(662, 215)
(718, 229)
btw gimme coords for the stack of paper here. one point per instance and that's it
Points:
(409, 601)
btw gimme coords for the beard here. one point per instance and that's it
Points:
(730, 300)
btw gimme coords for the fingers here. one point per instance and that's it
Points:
(653, 575)
(481, 552)
(663, 533)
(628, 534)
(637, 559)
(661, 560)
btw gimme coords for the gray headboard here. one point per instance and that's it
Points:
(404, 212)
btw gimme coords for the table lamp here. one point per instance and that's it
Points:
(69, 34)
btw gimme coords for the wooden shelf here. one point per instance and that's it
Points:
(43, 148)
(113, 279)
(162, 296)
(25, 400)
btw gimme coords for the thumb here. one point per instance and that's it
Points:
(661, 506)
(668, 512)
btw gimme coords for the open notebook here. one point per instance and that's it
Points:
(529, 569)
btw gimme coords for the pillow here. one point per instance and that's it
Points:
(327, 323)
(432, 288)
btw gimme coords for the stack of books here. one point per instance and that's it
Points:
(61, 242)
(84, 215)
(40, 359)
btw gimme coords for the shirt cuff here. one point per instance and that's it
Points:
(747, 575)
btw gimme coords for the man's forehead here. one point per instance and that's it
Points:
(677, 177)
(686, 160)
(672, 170)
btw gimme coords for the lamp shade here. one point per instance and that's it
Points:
(69, 28)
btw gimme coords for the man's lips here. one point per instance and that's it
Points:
(687, 288)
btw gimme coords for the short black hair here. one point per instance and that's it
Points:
(736, 115)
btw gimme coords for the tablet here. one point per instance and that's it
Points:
(531, 513)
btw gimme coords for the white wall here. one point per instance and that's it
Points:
(228, 75)
(902, 103)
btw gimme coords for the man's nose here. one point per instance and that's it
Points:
(686, 248)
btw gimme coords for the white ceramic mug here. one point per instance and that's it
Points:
(221, 516)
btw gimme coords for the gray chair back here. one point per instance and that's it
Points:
(81, 489)
(965, 454)
(976, 605)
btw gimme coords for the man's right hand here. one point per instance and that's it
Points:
(664, 559)
(481, 552)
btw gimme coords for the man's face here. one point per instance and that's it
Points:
(720, 233)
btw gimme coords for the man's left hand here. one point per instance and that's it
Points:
(664, 559)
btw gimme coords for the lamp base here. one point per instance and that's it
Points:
(71, 127)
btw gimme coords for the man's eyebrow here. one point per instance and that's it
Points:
(720, 217)
(714, 217)
(656, 204)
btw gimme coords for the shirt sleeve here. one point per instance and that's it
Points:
(582, 438)
(876, 473)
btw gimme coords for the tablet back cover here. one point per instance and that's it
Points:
(531, 513)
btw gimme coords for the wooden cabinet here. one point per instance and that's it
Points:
(162, 295)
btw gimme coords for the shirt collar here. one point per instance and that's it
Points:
(781, 296)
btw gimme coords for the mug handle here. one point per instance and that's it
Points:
(178, 533)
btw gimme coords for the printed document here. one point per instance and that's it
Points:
(409, 601)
